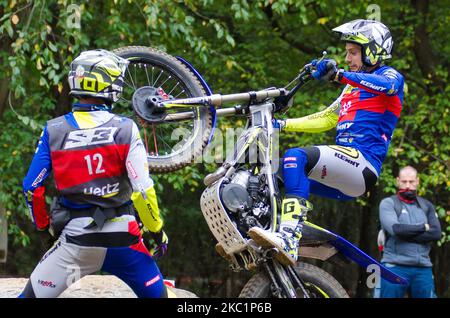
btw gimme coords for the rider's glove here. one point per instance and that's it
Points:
(278, 123)
(161, 242)
(325, 70)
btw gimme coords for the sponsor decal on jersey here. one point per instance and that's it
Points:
(344, 126)
(391, 74)
(290, 165)
(373, 86)
(392, 90)
(131, 170)
(39, 177)
(88, 137)
(108, 190)
(346, 140)
(345, 108)
(152, 281)
(290, 159)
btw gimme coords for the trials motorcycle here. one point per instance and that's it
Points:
(167, 94)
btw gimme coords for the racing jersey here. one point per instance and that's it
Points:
(98, 159)
(365, 113)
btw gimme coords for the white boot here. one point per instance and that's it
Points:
(287, 246)
(293, 213)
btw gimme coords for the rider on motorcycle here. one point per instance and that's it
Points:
(100, 169)
(365, 114)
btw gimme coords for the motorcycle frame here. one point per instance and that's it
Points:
(325, 244)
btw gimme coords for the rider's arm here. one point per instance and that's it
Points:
(33, 189)
(388, 82)
(144, 195)
(317, 122)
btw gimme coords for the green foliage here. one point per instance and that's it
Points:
(237, 46)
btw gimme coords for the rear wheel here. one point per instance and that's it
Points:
(318, 284)
(171, 145)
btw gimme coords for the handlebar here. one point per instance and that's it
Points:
(218, 100)
(281, 96)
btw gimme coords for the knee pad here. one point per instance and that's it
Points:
(294, 173)
(295, 155)
(308, 156)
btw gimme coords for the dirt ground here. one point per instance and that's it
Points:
(92, 286)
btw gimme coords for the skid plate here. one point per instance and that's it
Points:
(219, 223)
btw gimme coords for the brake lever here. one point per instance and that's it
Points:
(303, 76)
(309, 67)
(324, 53)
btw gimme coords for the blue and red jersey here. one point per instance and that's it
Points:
(370, 107)
(97, 164)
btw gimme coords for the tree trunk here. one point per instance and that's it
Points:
(3, 235)
(440, 257)
(5, 46)
(366, 237)
(422, 48)
(276, 27)
(63, 104)
(4, 90)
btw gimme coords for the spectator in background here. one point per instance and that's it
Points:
(410, 225)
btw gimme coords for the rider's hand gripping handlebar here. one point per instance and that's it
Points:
(303, 77)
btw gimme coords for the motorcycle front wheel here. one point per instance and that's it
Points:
(318, 284)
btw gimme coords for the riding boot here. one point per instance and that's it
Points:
(286, 241)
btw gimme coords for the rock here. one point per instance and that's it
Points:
(91, 286)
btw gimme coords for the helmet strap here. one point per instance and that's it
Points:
(368, 69)
(363, 68)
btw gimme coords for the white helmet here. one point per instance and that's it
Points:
(97, 73)
(374, 38)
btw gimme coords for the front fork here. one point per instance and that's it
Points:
(285, 282)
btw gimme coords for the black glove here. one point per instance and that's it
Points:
(161, 242)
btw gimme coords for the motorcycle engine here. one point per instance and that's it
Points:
(234, 194)
(246, 199)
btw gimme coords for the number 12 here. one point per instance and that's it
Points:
(98, 157)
